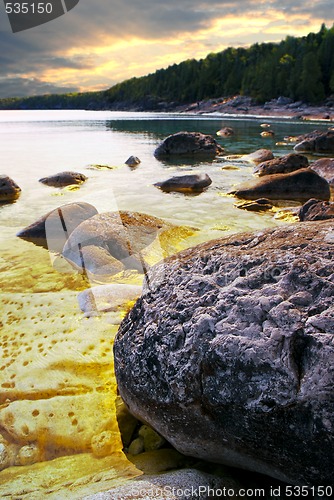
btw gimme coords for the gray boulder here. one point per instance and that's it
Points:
(63, 179)
(229, 353)
(185, 183)
(9, 190)
(317, 142)
(300, 185)
(188, 144)
(283, 165)
(52, 230)
(316, 210)
(325, 168)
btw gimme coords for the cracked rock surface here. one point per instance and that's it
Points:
(229, 352)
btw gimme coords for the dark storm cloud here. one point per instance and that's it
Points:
(20, 87)
(104, 22)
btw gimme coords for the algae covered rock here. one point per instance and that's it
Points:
(228, 354)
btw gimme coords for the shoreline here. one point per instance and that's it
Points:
(283, 108)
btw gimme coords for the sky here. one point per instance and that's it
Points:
(101, 42)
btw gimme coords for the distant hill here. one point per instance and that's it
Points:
(298, 68)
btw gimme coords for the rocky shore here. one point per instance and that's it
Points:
(282, 107)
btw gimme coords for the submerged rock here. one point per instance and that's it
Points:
(64, 179)
(52, 230)
(260, 205)
(300, 185)
(9, 190)
(316, 210)
(133, 161)
(188, 144)
(228, 354)
(114, 241)
(325, 168)
(283, 165)
(225, 132)
(317, 142)
(258, 156)
(107, 298)
(185, 183)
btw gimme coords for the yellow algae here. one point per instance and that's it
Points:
(27, 267)
(167, 243)
(70, 477)
(58, 392)
(71, 187)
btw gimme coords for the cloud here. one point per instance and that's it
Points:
(102, 42)
(21, 87)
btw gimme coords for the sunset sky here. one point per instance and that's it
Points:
(102, 42)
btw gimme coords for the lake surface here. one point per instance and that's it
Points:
(35, 144)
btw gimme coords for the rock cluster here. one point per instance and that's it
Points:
(317, 141)
(228, 353)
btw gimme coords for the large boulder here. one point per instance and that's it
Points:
(317, 142)
(300, 185)
(325, 168)
(188, 144)
(193, 183)
(316, 210)
(9, 190)
(63, 179)
(228, 354)
(284, 165)
(52, 230)
(97, 242)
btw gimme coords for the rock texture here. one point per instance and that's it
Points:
(188, 144)
(316, 210)
(63, 179)
(317, 142)
(52, 230)
(283, 165)
(185, 183)
(9, 190)
(229, 353)
(325, 168)
(300, 185)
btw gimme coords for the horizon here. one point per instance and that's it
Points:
(94, 47)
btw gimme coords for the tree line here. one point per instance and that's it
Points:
(299, 68)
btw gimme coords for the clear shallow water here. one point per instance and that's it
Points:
(35, 144)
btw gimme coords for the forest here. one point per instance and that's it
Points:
(299, 68)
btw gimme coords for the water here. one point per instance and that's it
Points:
(35, 144)
(45, 342)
